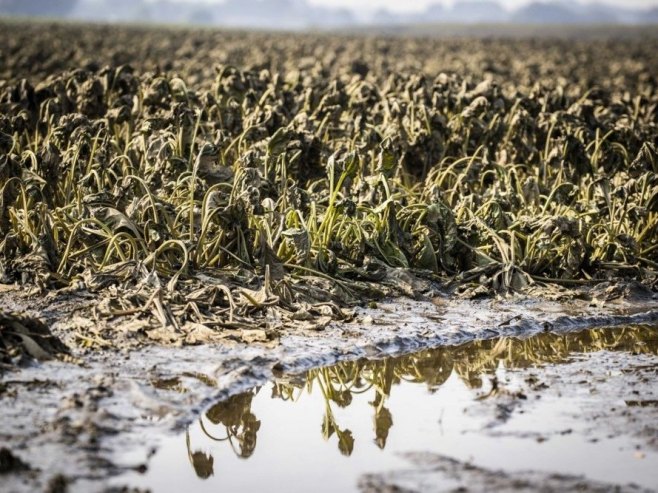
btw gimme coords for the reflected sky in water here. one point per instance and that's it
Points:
(322, 430)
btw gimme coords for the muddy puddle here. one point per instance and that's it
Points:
(559, 412)
(517, 396)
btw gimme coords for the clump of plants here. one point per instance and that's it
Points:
(258, 195)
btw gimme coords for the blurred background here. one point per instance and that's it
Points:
(333, 14)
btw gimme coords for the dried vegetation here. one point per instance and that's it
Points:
(237, 181)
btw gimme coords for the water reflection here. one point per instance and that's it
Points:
(232, 421)
(238, 427)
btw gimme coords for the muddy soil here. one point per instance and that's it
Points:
(74, 318)
(79, 424)
(434, 473)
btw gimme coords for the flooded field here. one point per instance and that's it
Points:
(195, 225)
(513, 392)
(566, 412)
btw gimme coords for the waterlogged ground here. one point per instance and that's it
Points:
(578, 410)
(516, 387)
(191, 217)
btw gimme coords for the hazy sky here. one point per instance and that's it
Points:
(417, 5)
(408, 5)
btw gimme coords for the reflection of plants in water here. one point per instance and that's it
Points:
(339, 384)
(240, 430)
(383, 421)
(202, 463)
(241, 425)
(470, 362)
(482, 357)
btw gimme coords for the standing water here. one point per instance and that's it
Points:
(564, 412)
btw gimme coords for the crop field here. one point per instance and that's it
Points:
(190, 218)
(252, 180)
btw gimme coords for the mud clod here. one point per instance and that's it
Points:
(23, 337)
(58, 484)
(9, 463)
(433, 473)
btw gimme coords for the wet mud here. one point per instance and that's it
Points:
(99, 419)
